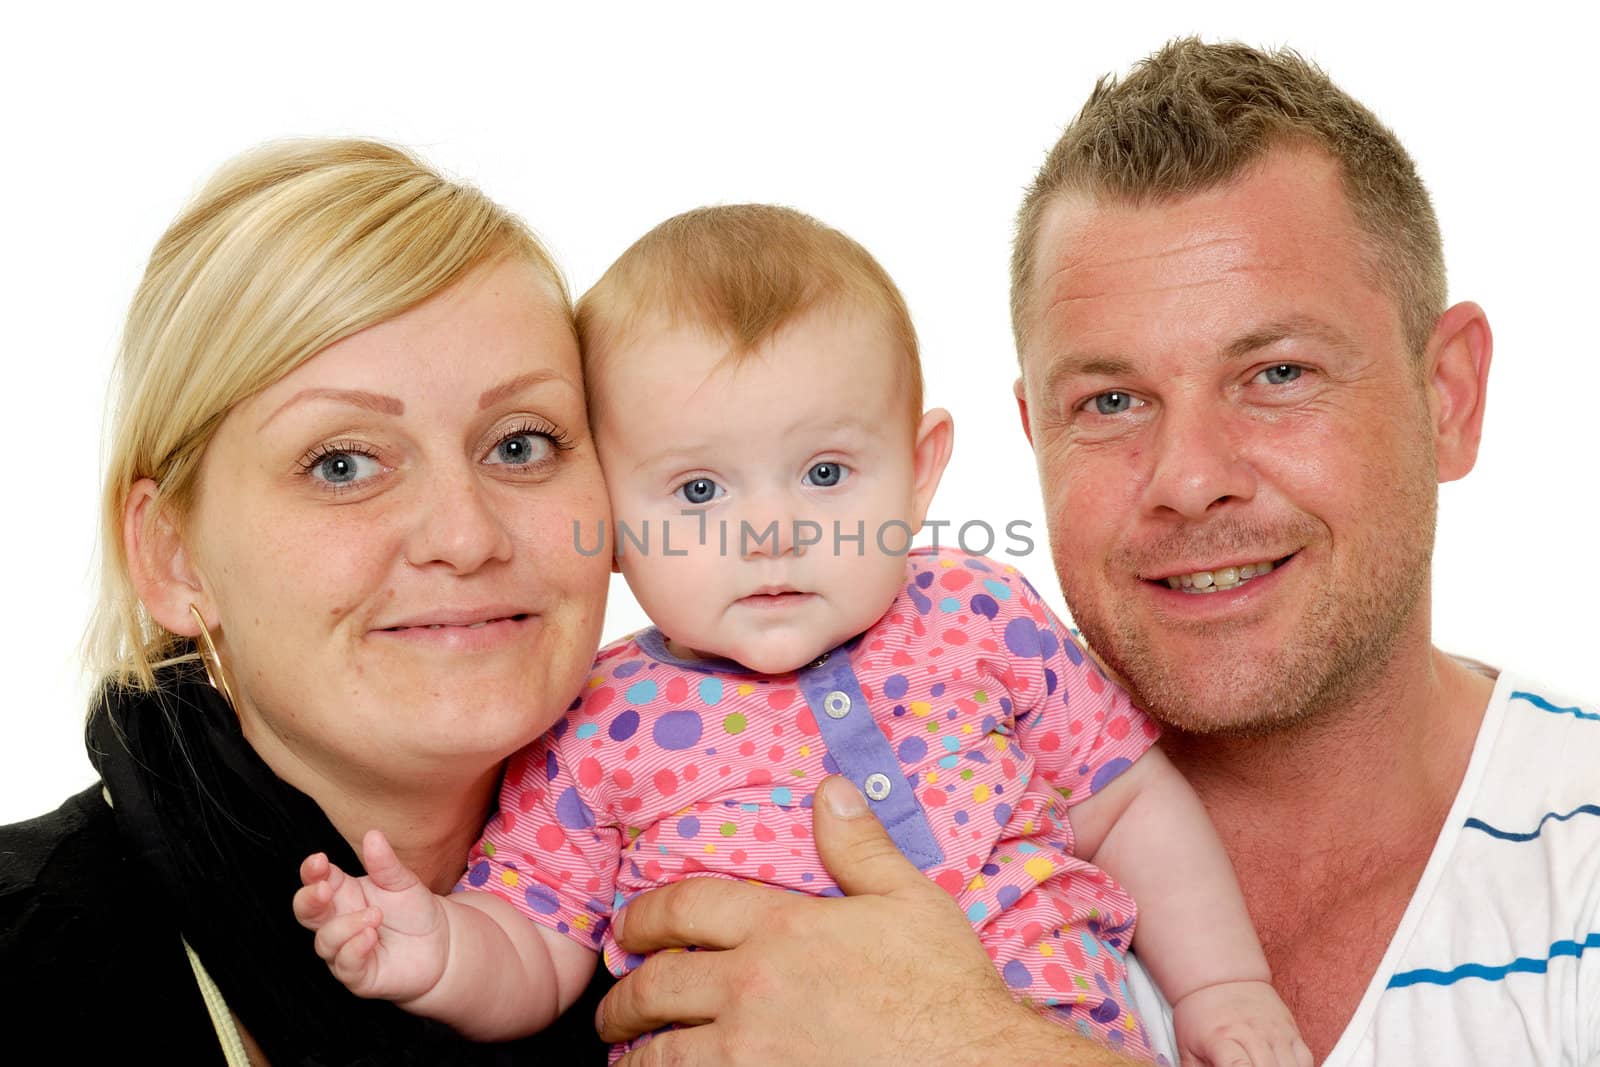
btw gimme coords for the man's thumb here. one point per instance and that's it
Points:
(853, 844)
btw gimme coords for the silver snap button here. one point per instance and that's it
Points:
(877, 786)
(836, 704)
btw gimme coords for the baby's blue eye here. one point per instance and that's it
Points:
(699, 491)
(521, 449)
(1282, 374)
(826, 474)
(343, 468)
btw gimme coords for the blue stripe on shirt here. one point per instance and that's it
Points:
(1544, 705)
(1520, 965)
(1512, 835)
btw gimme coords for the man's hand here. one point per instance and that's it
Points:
(890, 974)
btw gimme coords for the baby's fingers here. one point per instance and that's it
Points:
(314, 868)
(313, 905)
(1226, 1052)
(339, 932)
(383, 866)
(355, 961)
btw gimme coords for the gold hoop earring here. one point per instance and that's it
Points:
(209, 657)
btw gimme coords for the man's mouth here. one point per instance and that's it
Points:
(1215, 581)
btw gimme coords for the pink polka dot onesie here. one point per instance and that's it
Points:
(968, 717)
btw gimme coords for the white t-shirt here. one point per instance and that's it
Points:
(1497, 958)
(1496, 962)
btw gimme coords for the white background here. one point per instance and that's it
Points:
(912, 128)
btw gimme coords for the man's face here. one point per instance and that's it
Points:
(1235, 448)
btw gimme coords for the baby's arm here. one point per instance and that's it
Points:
(468, 959)
(1148, 830)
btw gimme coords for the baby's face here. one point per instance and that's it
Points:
(741, 463)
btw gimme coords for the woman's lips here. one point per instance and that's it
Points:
(484, 631)
(465, 618)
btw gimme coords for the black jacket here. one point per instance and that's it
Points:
(95, 906)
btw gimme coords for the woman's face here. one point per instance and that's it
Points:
(386, 535)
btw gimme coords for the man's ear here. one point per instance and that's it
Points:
(1022, 408)
(935, 438)
(1458, 379)
(158, 562)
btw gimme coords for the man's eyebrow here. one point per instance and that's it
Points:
(495, 394)
(361, 398)
(1073, 365)
(1283, 330)
(1084, 366)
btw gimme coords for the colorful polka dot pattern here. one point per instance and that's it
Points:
(1000, 724)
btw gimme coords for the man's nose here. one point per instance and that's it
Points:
(1197, 462)
(458, 525)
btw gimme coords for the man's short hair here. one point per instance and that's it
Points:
(1193, 116)
(740, 272)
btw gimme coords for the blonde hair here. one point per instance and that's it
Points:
(289, 248)
(1194, 116)
(742, 271)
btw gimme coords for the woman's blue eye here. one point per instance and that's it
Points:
(521, 449)
(826, 474)
(1113, 403)
(1282, 374)
(700, 491)
(343, 468)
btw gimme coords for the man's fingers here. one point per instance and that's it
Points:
(383, 866)
(855, 847)
(705, 912)
(698, 1045)
(681, 987)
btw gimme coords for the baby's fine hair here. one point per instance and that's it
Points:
(740, 272)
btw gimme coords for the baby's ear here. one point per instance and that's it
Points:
(935, 438)
(158, 562)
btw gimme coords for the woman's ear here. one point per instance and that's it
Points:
(935, 439)
(158, 561)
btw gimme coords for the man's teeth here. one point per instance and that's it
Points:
(1223, 578)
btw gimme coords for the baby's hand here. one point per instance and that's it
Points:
(384, 935)
(1237, 1024)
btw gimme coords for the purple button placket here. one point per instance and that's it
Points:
(860, 749)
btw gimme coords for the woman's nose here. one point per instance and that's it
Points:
(458, 526)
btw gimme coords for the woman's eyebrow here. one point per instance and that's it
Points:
(361, 398)
(497, 393)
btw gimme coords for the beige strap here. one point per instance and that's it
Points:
(233, 1050)
(221, 1018)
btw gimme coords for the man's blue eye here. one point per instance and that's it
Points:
(699, 491)
(1112, 403)
(1282, 374)
(825, 474)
